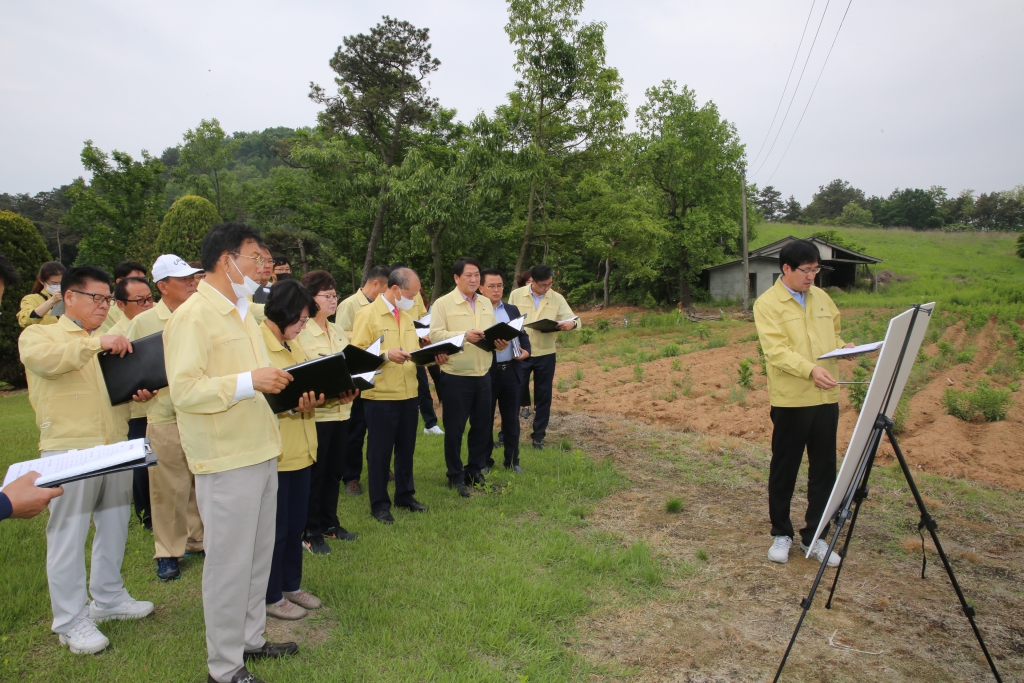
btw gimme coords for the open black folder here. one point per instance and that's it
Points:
(77, 464)
(449, 347)
(327, 375)
(504, 331)
(143, 368)
(360, 361)
(548, 325)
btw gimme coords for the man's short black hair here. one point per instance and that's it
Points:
(400, 277)
(377, 273)
(490, 271)
(8, 275)
(461, 263)
(125, 268)
(798, 253)
(121, 288)
(225, 238)
(398, 264)
(541, 272)
(281, 260)
(76, 278)
(285, 302)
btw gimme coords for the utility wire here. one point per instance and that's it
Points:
(798, 82)
(785, 87)
(812, 90)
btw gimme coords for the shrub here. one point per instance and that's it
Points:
(669, 350)
(183, 228)
(858, 391)
(986, 402)
(638, 372)
(602, 324)
(24, 248)
(717, 341)
(676, 364)
(674, 506)
(586, 335)
(702, 330)
(564, 444)
(564, 385)
(746, 375)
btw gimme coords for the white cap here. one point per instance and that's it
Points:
(169, 265)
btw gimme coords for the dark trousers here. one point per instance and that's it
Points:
(353, 468)
(505, 393)
(813, 427)
(390, 430)
(140, 477)
(543, 369)
(292, 503)
(425, 399)
(435, 374)
(325, 476)
(467, 398)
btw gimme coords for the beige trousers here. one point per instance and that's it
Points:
(105, 502)
(239, 511)
(177, 527)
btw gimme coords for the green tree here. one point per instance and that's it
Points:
(119, 210)
(203, 158)
(769, 203)
(183, 228)
(21, 244)
(793, 212)
(382, 97)
(854, 214)
(829, 200)
(693, 156)
(567, 100)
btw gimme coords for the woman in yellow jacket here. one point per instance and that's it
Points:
(324, 338)
(36, 306)
(288, 308)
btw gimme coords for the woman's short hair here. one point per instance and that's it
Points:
(317, 281)
(46, 271)
(285, 302)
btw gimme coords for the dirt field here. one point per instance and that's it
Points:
(702, 396)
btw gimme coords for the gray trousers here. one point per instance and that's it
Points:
(239, 511)
(104, 501)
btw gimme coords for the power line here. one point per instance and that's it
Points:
(798, 82)
(785, 87)
(812, 90)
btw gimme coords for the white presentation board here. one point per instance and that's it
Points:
(857, 451)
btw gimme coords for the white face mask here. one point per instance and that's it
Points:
(248, 286)
(404, 304)
(52, 289)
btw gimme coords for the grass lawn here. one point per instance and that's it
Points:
(486, 589)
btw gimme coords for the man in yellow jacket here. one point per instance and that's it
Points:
(796, 323)
(217, 373)
(177, 528)
(67, 392)
(376, 282)
(392, 408)
(466, 387)
(538, 301)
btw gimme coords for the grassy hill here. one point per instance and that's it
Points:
(975, 273)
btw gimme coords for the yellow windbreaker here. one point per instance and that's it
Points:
(553, 306)
(298, 430)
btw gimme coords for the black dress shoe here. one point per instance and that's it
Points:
(460, 487)
(270, 651)
(340, 533)
(476, 479)
(241, 676)
(384, 516)
(538, 445)
(413, 506)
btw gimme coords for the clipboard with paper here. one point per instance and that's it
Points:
(506, 331)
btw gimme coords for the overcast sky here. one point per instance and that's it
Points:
(914, 94)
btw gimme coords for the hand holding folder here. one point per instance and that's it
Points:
(140, 370)
(448, 347)
(548, 325)
(74, 465)
(504, 331)
(327, 375)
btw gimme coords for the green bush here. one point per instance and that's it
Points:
(183, 228)
(586, 335)
(674, 505)
(858, 391)
(900, 415)
(21, 244)
(986, 402)
(669, 350)
(602, 324)
(746, 375)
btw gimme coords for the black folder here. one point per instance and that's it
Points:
(421, 324)
(496, 331)
(143, 368)
(360, 361)
(362, 384)
(327, 375)
(544, 325)
(425, 356)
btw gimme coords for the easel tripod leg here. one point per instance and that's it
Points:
(858, 498)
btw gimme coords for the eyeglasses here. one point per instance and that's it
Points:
(96, 298)
(303, 321)
(329, 297)
(141, 301)
(258, 258)
(814, 271)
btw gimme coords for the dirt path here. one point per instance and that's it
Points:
(728, 611)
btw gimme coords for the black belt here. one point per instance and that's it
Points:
(505, 366)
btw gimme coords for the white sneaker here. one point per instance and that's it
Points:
(84, 638)
(779, 552)
(129, 609)
(818, 551)
(433, 430)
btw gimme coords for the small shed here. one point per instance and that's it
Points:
(725, 281)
